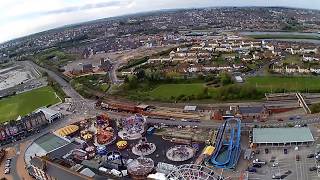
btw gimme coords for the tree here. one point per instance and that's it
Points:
(141, 74)
(225, 78)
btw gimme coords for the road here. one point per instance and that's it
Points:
(66, 87)
(113, 72)
(80, 104)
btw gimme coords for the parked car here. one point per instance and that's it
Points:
(7, 170)
(251, 169)
(256, 165)
(310, 156)
(266, 150)
(275, 164)
(276, 176)
(313, 168)
(280, 119)
(297, 157)
(273, 158)
(285, 151)
(288, 172)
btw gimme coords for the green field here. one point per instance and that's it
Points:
(25, 103)
(273, 83)
(254, 88)
(166, 91)
(284, 36)
(293, 59)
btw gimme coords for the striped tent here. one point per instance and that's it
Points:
(65, 131)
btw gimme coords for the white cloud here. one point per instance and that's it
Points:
(22, 17)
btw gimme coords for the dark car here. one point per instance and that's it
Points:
(285, 151)
(288, 172)
(310, 156)
(251, 169)
(273, 158)
(257, 165)
(266, 150)
(297, 157)
(313, 168)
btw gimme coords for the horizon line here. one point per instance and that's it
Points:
(146, 12)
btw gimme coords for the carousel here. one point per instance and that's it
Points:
(133, 127)
(143, 148)
(105, 136)
(180, 153)
(140, 168)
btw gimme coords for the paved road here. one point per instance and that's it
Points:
(66, 87)
(113, 72)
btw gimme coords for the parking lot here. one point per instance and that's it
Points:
(285, 166)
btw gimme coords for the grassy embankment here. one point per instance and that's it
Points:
(91, 86)
(253, 89)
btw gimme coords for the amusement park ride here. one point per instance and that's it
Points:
(98, 133)
(228, 148)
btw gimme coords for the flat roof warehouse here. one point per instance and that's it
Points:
(282, 135)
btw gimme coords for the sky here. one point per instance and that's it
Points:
(23, 17)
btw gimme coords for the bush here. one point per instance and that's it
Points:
(315, 108)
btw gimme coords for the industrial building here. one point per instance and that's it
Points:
(281, 136)
(50, 114)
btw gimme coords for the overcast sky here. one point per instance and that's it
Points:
(22, 17)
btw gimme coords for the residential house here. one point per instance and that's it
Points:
(105, 64)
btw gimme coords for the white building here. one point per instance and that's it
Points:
(50, 114)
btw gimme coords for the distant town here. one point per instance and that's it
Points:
(208, 93)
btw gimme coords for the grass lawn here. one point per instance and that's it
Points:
(253, 89)
(25, 103)
(165, 91)
(293, 59)
(268, 83)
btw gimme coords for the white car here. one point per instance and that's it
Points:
(7, 171)
(275, 164)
